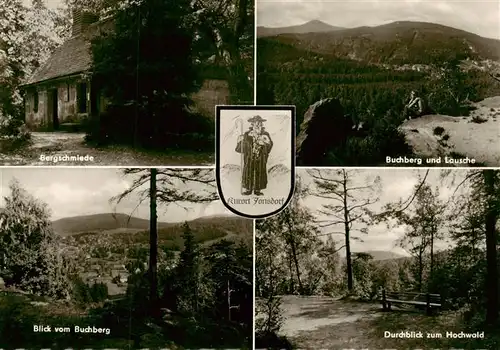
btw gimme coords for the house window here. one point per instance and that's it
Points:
(67, 92)
(82, 97)
(35, 102)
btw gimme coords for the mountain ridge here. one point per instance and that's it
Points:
(308, 27)
(379, 255)
(113, 221)
(397, 42)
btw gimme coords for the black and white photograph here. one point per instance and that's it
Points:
(101, 258)
(385, 82)
(120, 82)
(255, 158)
(381, 259)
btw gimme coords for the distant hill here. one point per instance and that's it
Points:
(100, 222)
(103, 227)
(125, 223)
(384, 255)
(309, 27)
(395, 43)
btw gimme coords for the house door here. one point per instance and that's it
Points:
(55, 109)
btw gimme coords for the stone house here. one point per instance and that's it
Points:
(61, 92)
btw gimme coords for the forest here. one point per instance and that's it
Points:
(195, 294)
(370, 93)
(326, 285)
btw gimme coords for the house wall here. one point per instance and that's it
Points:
(213, 92)
(38, 118)
(66, 105)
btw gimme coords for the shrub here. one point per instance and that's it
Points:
(272, 319)
(438, 130)
(98, 292)
(478, 119)
(272, 341)
(14, 133)
(81, 292)
(17, 318)
(127, 125)
(384, 139)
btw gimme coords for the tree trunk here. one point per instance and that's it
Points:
(137, 90)
(350, 283)
(237, 73)
(491, 248)
(291, 286)
(432, 257)
(241, 22)
(420, 270)
(293, 248)
(297, 270)
(153, 241)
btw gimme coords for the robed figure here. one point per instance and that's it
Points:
(255, 146)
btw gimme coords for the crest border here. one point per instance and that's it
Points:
(218, 109)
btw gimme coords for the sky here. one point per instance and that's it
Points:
(84, 191)
(394, 184)
(479, 17)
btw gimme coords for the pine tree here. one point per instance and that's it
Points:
(189, 271)
(345, 207)
(148, 62)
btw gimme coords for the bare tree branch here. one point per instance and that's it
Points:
(174, 186)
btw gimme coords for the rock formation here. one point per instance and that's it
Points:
(324, 127)
(476, 136)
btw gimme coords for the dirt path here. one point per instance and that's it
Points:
(61, 148)
(326, 323)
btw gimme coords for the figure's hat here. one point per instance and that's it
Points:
(256, 118)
